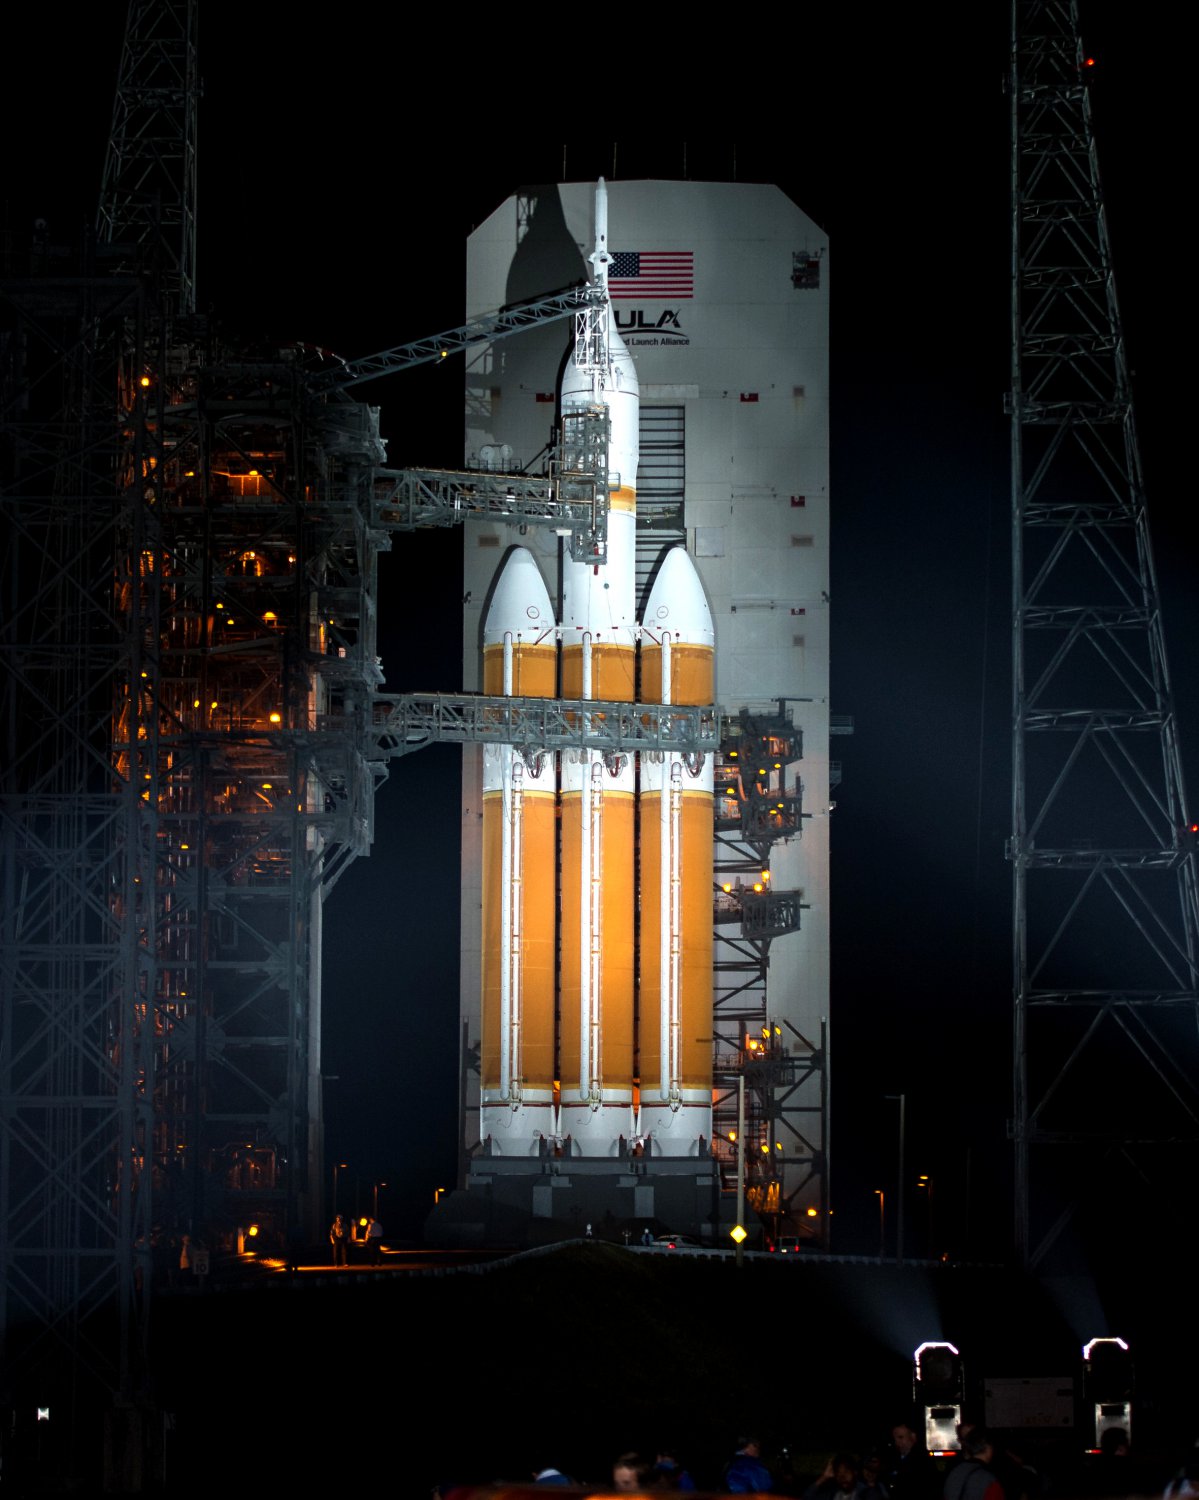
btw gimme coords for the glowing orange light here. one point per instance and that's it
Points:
(145, 381)
(276, 718)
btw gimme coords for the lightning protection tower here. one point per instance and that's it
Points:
(1105, 922)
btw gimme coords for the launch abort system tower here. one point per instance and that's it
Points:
(719, 293)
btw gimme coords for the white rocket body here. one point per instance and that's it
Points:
(595, 857)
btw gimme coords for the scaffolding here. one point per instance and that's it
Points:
(754, 809)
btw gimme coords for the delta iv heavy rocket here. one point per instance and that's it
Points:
(597, 873)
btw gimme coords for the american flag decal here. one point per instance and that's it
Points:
(646, 274)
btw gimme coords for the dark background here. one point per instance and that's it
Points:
(341, 169)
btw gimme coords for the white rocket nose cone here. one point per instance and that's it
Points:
(520, 602)
(677, 602)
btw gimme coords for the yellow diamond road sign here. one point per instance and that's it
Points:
(738, 1234)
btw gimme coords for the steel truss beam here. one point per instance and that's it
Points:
(407, 722)
(572, 495)
(1105, 918)
(482, 330)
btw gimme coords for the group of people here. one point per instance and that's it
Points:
(632, 1473)
(341, 1236)
(903, 1469)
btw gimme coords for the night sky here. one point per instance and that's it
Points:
(340, 173)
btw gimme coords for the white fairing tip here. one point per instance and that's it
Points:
(677, 602)
(520, 602)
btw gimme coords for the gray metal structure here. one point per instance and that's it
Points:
(1105, 919)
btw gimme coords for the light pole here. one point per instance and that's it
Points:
(882, 1223)
(740, 1162)
(899, 1203)
(926, 1182)
(375, 1199)
(337, 1167)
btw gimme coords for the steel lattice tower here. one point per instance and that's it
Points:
(148, 195)
(187, 645)
(84, 338)
(1105, 925)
